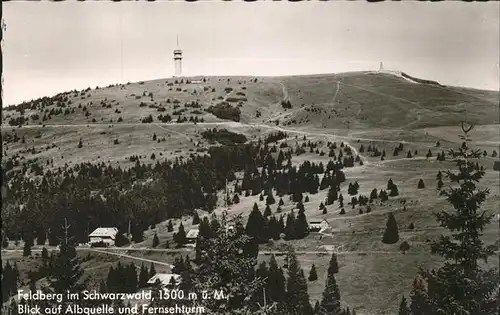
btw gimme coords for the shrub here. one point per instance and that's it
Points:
(147, 120)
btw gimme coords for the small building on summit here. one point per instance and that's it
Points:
(318, 226)
(165, 279)
(104, 236)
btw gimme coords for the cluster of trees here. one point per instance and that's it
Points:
(276, 136)
(286, 104)
(225, 111)
(250, 287)
(103, 195)
(262, 228)
(124, 278)
(223, 136)
(10, 278)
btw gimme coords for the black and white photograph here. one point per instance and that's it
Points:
(250, 158)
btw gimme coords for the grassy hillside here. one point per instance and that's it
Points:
(361, 109)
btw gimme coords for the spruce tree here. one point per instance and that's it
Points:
(196, 218)
(156, 240)
(143, 276)
(461, 286)
(152, 271)
(45, 253)
(180, 236)
(313, 275)
(403, 307)
(255, 224)
(333, 267)
(391, 234)
(421, 184)
(66, 273)
(27, 249)
(301, 225)
(270, 199)
(267, 211)
(394, 191)
(330, 302)
(297, 297)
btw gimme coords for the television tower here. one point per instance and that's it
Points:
(178, 59)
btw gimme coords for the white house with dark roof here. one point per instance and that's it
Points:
(318, 225)
(192, 235)
(103, 235)
(165, 279)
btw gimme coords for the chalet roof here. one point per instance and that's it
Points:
(193, 233)
(164, 278)
(104, 232)
(317, 221)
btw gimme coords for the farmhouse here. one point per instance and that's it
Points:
(192, 235)
(165, 279)
(103, 235)
(318, 226)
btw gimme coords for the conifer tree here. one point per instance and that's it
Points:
(170, 226)
(281, 202)
(233, 273)
(403, 307)
(391, 234)
(297, 297)
(461, 286)
(290, 226)
(439, 184)
(394, 191)
(429, 154)
(196, 218)
(45, 253)
(333, 267)
(152, 271)
(66, 273)
(236, 199)
(27, 249)
(255, 224)
(267, 211)
(301, 225)
(313, 275)
(143, 276)
(331, 196)
(330, 302)
(421, 184)
(180, 236)
(270, 199)
(390, 184)
(156, 240)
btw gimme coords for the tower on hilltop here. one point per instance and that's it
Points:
(178, 60)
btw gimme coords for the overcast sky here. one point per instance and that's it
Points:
(51, 47)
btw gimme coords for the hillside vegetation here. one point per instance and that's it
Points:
(361, 150)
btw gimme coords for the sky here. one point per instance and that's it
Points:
(52, 47)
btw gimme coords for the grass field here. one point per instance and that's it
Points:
(367, 109)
